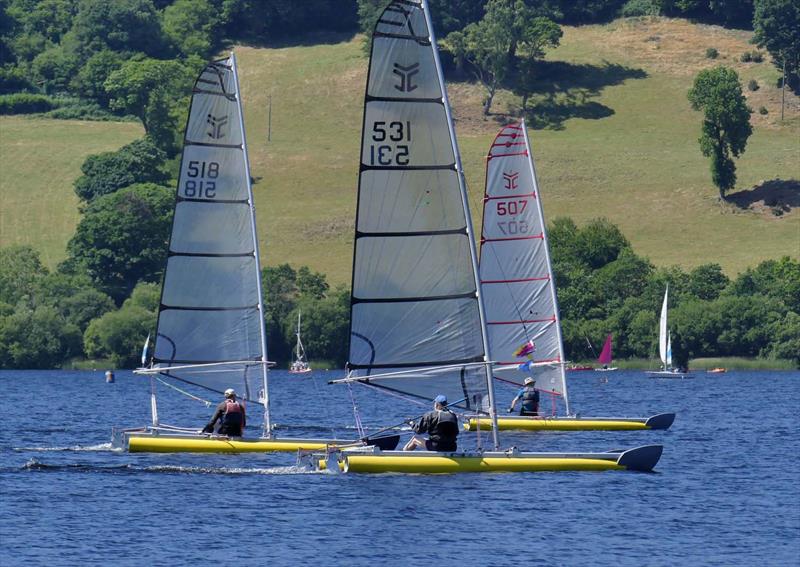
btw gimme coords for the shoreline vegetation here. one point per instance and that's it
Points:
(729, 363)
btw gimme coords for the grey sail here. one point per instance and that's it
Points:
(416, 325)
(210, 330)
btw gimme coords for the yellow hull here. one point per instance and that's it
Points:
(176, 444)
(661, 421)
(438, 465)
(372, 460)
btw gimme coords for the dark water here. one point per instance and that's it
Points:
(727, 490)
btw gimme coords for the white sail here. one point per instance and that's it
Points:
(662, 331)
(515, 270)
(210, 321)
(669, 350)
(416, 323)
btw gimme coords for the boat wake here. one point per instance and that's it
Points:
(36, 465)
(101, 447)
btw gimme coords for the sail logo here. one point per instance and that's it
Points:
(405, 75)
(217, 123)
(511, 180)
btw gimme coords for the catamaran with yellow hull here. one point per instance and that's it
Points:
(417, 310)
(561, 423)
(516, 278)
(210, 330)
(375, 460)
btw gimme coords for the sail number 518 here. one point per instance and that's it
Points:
(202, 184)
(390, 154)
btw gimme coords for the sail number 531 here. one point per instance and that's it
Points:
(201, 184)
(387, 153)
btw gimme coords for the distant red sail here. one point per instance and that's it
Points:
(605, 354)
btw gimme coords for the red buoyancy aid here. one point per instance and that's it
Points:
(234, 413)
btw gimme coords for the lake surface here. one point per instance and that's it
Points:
(726, 491)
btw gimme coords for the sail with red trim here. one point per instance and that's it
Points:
(516, 275)
(416, 325)
(210, 330)
(605, 354)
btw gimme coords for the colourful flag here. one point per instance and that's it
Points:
(525, 349)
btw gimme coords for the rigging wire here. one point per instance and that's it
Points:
(184, 392)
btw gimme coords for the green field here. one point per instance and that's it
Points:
(615, 137)
(39, 161)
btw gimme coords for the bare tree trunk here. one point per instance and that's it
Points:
(487, 105)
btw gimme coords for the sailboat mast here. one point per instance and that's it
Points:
(662, 329)
(552, 286)
(465, 201)
(297, 346)
(251, 205)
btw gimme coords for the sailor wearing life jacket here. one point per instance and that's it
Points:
(231, 415)
(441, 425)
(529, 397)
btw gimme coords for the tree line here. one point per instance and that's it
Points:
(49, 317)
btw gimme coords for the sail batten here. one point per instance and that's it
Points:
(415, 301)
(210, 307)
(515, 270)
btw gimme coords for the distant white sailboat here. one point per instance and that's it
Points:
(665, 347)
(300, 364)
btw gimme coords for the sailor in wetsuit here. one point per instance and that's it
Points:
(231, 415)
(530, 399)
(441, 425)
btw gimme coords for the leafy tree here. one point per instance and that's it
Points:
(122, 238)
(279, 284)
(54, 69)
(122, 25)
(90, 79)
(621, 278)
(149, 89)
(258, 21)
(776, 23)
(707, 281)
(74, 297)
(640, 334)
(785, 338)
(491, 44)
(311, 284)
(599, 243)
(192, 26)
(119, 334)
(145, 295)
(36, 338)
(586, 11)
(21, 271)
(49, 18)
(138, 162)
(726, 122)
(779, 279)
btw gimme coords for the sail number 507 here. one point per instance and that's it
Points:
(201, 184)
(387, 153)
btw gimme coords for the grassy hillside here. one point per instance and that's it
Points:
(618, 141)
(613, 136)
(39, 160)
